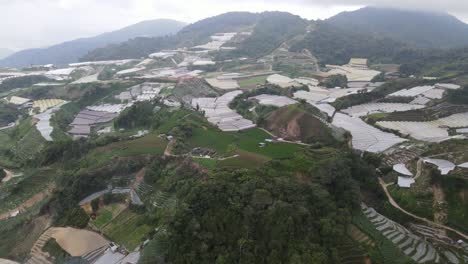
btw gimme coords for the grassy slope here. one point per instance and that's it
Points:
(24, 141)
(252, 82)
(24, 187)
(418, 203)
(245, 144)
(455, 185)
(456, 192)
(248, 141)
(147, 145)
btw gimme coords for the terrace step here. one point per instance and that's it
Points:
(412, 246)
(407, 242)
(93, 255)
(411, 250)
(37, 255)
(38, 260)
(452, 257)
(430, 255)
(395, 234)
(420, 251)
(397, 239)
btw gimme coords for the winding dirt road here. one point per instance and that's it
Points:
(30, 202)
(432, 223)
(419, 168)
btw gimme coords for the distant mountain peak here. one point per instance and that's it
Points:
(71, 51)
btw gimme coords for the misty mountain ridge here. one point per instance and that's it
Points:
(421, 29)
(71, 51)
(4, 52)
(403, 28)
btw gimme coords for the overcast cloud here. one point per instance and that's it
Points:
(39, 23)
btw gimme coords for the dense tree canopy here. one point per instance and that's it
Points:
(139, 115)
(2, 174)
(8, 114)
(337, 80)
(270, 32)
(290, 211)
(332, 45)
(22, 82)
(458, 96)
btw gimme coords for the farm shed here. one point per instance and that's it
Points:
(401, 169)
(16, 100)
(405, 182)
(444, 166)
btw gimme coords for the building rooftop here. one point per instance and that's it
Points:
(358, 61)
(401, 169)
(405, 182)
(16, 100)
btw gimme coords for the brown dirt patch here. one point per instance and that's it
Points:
(292, 123)
(440, 205)
(367, 260)
(463, 195)
(139, 177)
(303, 178)
(78, 242)
(7, 261)
(8, 176)
(169, 147)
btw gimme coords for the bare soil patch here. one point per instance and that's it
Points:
(78, 242)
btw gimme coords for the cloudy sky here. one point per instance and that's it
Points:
(39, 23)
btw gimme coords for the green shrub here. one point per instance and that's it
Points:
(2, 174)
(337, 80)
(74, 217)
(54, 249)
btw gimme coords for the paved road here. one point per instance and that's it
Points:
(432, 223)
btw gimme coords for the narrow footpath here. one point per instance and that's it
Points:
(30, 202)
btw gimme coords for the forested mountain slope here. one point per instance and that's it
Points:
(269, 30)
(417, 28)
(333, 45)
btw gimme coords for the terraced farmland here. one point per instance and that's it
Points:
(410, 244)
(30, 145)
(105, 215)
(156, 199)
(148, 145)
(128, 229)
